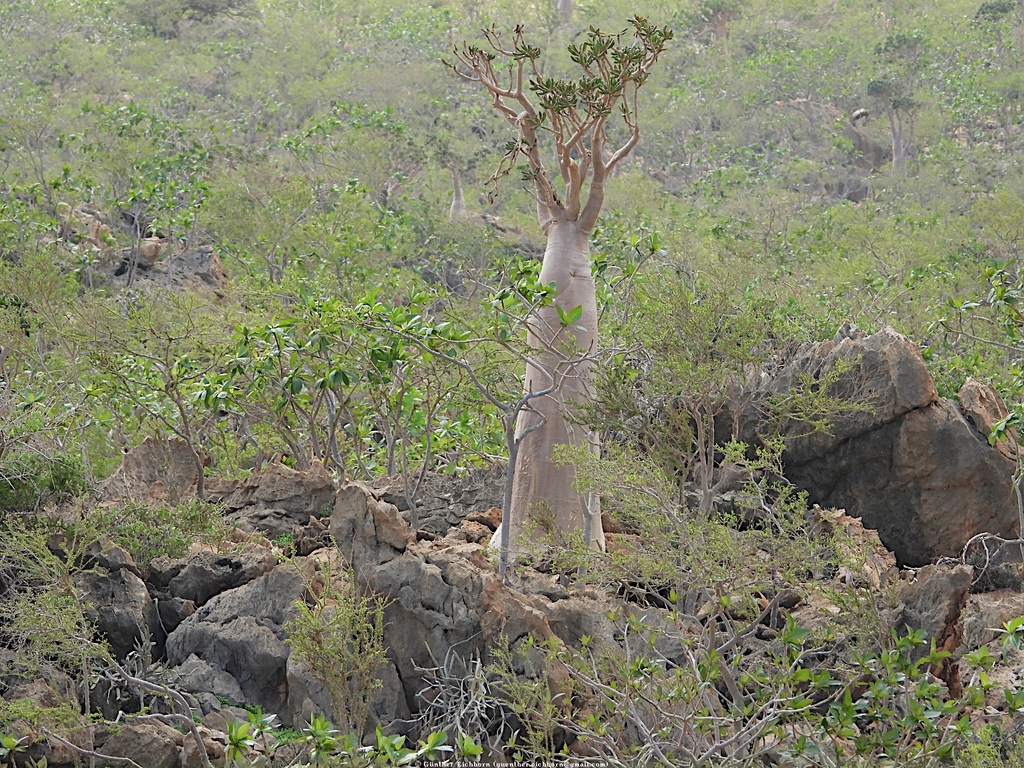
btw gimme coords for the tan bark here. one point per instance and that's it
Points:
(559, 371)
(543, 493)
(458, 207)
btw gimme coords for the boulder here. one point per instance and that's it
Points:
(242, 632)
(278, 498)
(908, 464)
(307, 539)
(926, 482)
(120, 607)
(154, 471)
(41, 693)
(933, 600)
(215, 742)
(84, 224)
(194, 675)
(866, 562)
(368, 531)
(307, 697)
(151, 743)
(173, 611)
(885, 379)
(205, 574)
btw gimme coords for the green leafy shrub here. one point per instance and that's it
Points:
(721, 698)
(149, 531)
(30, 480)
(340, 639)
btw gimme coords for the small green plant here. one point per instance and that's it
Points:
(388, 750)
(150, 531)
(264, 728)
(240, 745)
(323, 740)
(340, 639)
(466, 747)
(10, 746)
(283, 541)
(1011, 635)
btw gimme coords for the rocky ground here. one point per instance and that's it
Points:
(910, 487)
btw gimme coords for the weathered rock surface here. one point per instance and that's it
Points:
(159, 263)
(154, 471)
(205, 574)
(368, 531)
(984, 408)
(152, 744)
(278, 498)
(444, 595)
(986, 613)
(444, 501)
(307, 696)
(908, 464)
(118, 603)
(242, 632)
(195, 675)
(934, 601)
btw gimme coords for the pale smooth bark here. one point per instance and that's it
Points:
(458, 207)
(541, 494)
(544, 497)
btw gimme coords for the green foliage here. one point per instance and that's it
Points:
(10, 746)
(677, 549)
(43, 613)
(310, 144)
(340, 639)
(28, 481)
(148, 531)
(993, 748)
(725, 702)
(240, 744)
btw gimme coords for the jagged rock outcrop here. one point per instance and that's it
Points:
(983, 408)
(444, 501)
(205, 574)
(277, 498)
(909, 464)
(117, 601)
(934, 601)
(442, 594)
(230, 641)
(154, 471)
(242, 633)
(198, 269)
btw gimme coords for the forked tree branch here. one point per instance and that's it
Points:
(574, 111)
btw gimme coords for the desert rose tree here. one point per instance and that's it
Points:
(576, 116)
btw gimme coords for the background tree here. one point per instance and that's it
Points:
(902, 57)
(576, 114)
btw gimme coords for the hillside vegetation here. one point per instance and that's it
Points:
(312, 145)
(269, 229)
